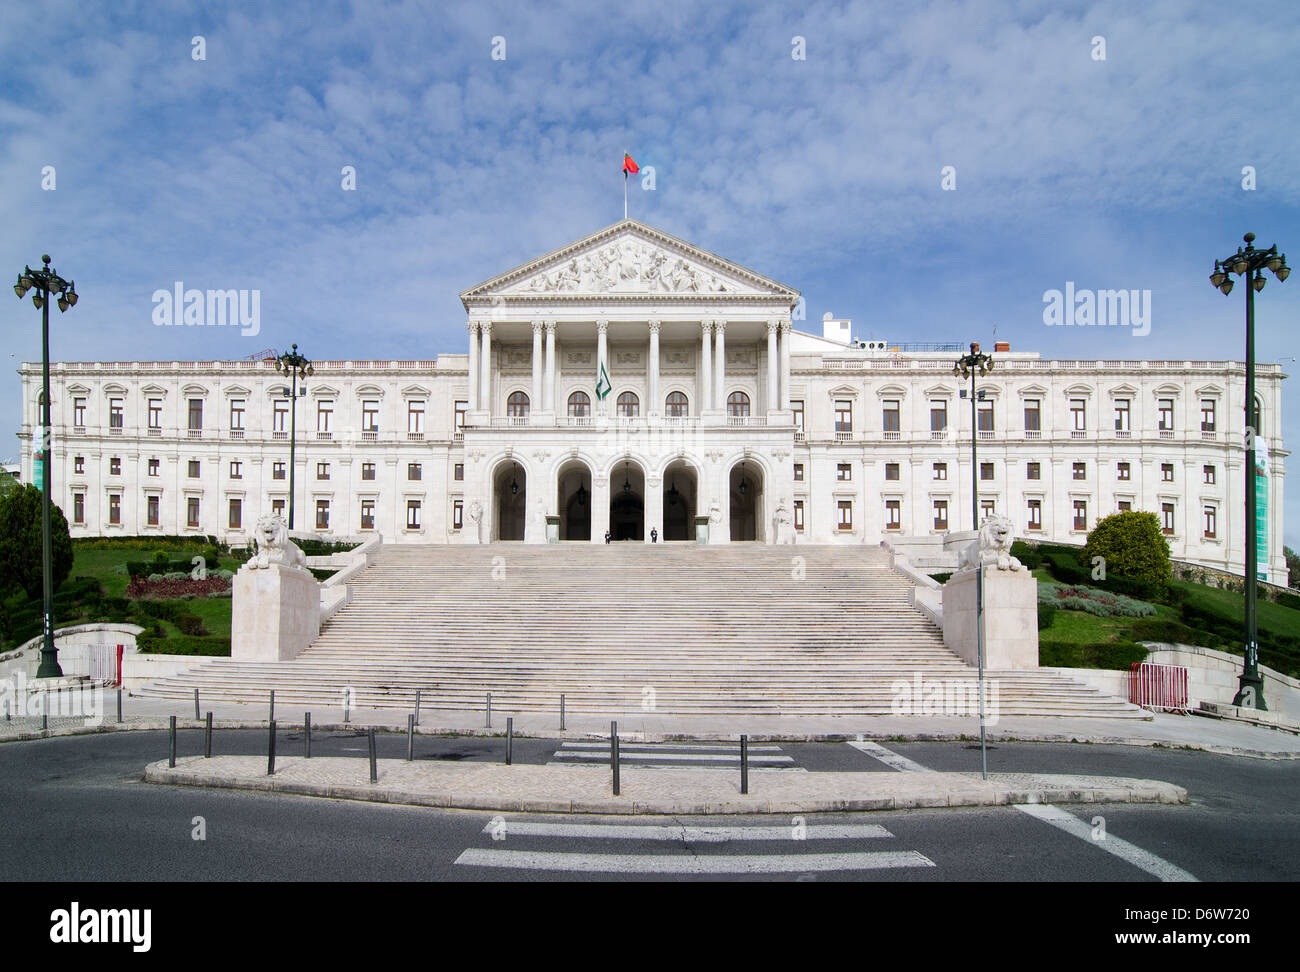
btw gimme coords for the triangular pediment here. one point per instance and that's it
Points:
(629, 258)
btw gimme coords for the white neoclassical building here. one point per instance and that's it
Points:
(633, 384)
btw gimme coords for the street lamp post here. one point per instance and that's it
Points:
(294, 365)
(1251, 263)
(968, 366)
(47, 284)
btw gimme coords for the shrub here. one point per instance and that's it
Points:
(1132, 545)
(1173, 632)
(1046, 615)
(161, 557)
(1104, 604)
(1027, 555)
(191, 624)
(20, 542)
(1291, 601)
(1115, 655)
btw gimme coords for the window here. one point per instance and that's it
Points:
(844, 416)
(194, 469)
(1123, 471)
(115, 466)
(1122, 415)
(737, 405)
(1080, 514)
(1079, 414)
(676, 405)
(322, 514)
(845, 508)
(891, 470)
(987, 508)
(1211, 519)
(1167, 518)
(115, 413)
(940, 470)
(941, 514)
(798, 472)
(153, 467)
(114, 508)
(236, 469)
(277, 507)
(277, 470)
(322, 470)
(1210, 476)
(1166, 472)
(890, 418)
(984, 415)
(1125, 506)
(155, 413)
(1033, 470)
(151, 510)
(78, 507)
(1208, 423)
(79, 464)
(458, 472)
(280, 417)
(412, 514)
(78, 411)
(1080, 470)
(517, 405)
(798, 515)
(893, 514)
(797, 408)
(370, 416)
(1033, 416)
(196, 414)
(415, 418)
(192, 511)
(413, 471)
(1166, 413)
(236, 415)
(367, 514)
(629, 405)
(938, 416)
(236, 518)
(1035, 514)
(986, 471)
(580, 404)
(843, 472)
(462, 408)
(367, 471)
(457, 514)
(324, 415)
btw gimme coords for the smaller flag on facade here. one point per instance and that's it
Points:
(629, 166)
(603, 387)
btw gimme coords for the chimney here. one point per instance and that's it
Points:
(1001, 345)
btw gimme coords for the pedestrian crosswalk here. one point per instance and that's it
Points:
(561, 846)
(673, 755)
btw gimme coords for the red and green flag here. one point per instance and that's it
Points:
(629, 166)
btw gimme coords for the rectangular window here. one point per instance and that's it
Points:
(1166, 412)
(1211, 521)
(324, 416)
(940, 470)
(322, 514)
(984, 416)
(893, 514)
(280, 417)
(890, 418)
(322, 470)
(1080, 470)
(236, 415)
(412, 514)
(114, 508)
(457, 514)
(987, 508)
(845, 508)
(78, 411)
(1167, 518)
(938, 416)
(236, 518)
(458, 472)
(844, 416)
(194, 469)
(153, 467)
(986, 471)
(1208, 420)
(415, 418)
(1166, 472)
(1079, 414)
(797, 408)
(1210, 474)
(1035, 514)
(1124, 506)
(236, 469)
(798, 472)
(461, 409)
(367, 514)
(196, 414)
(277, 470)
(192, 511)
(1033, 470)
(367, 471)
(151, 510)
(115, 413)
(370, 416)
(843, 472)
(798, 515)
(941, 514)
(891, 471)
(1080, 514)
(1033, 416)
(1123, 471)
(1122, 415)
(79, 464)
(155, 413)
(413, 471)
(115, 466)
(78, 507)
(277, 507)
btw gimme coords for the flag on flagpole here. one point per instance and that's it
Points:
(603, 387)
(629, 166)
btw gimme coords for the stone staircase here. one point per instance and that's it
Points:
(629, 628)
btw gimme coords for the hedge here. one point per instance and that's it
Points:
(184, 645)
(1046, 615)
(1114, 655)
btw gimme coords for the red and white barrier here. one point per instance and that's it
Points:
(1161, 687)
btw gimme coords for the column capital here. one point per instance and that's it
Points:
(485, 327)
(706, 326)
(786, 326)
(472, 325)
(550, 327)
(537, 326)
(602, 327)
(719, 325)
(654, 326)
(773, 325)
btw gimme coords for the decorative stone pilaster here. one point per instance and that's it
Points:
(473, 365)
(654, 406)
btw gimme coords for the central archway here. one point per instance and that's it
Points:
(746, 499)
(681, 492)
(573, 500)
(627, 501)
(509, 501)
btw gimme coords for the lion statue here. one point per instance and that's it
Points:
(274, 545)
(993, 548)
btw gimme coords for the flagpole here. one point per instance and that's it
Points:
(625, 193)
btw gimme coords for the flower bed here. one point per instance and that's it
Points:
(1104, 604)
(167, 588)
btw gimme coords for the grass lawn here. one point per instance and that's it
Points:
(1273, 617)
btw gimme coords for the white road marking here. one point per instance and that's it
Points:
(706, 835)
(632, 764)
(628, 747)
(685, 864)
(889, 758)
(710, 757)
(1058, 817)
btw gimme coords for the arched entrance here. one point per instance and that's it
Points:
(509, 501)
(681, 491)
(627, 501)
(746, 499)
(573, 500)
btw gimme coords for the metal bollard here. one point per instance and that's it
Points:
(561, 712)
(306, 735)
(119, 705)
(489, 710)
(410, 738)
(613, 752)
(270, 752)
(510, 739)
(417, 707)
(45, 714)
(271, 717)
(171, 752)
(744, 764)
(196, 706)
(374, 768)
(207, 738)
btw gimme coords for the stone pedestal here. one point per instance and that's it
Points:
(275, 613)
(701, 529)
(1010, 618)
(552, 529)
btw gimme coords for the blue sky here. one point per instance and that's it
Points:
(822, 173)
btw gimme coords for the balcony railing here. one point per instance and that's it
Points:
(1078, 433)
(153, 431)
(738, 421)
(986, 435)
(579, 421)
(414, 436)
(892, 436)
(324, 436)
(1166, 433)
(1033, 433)
(1123, 434)
(1209, 436)
(236, 433)
(280, 436)
(938, 435)
(194, 433)
(800, 437)
(369, 436)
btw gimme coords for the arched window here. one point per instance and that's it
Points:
(676, 405)
(629, 406)
(517, 405)
(579, 405)
(737, 405)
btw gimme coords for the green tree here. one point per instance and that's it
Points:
(20, 542)
(1292, 567)
(7, 483)
(1132, 545)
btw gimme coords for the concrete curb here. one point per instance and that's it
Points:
(912, 791)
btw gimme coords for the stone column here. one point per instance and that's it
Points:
(485, 372)
(654, 507)
(537, 404)
(599, 506)
(654, 406)
(548, 395)
(706, 367)
(473, 403)
(773, 387)
(784, 392)
(602, 352)
(720, 365)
